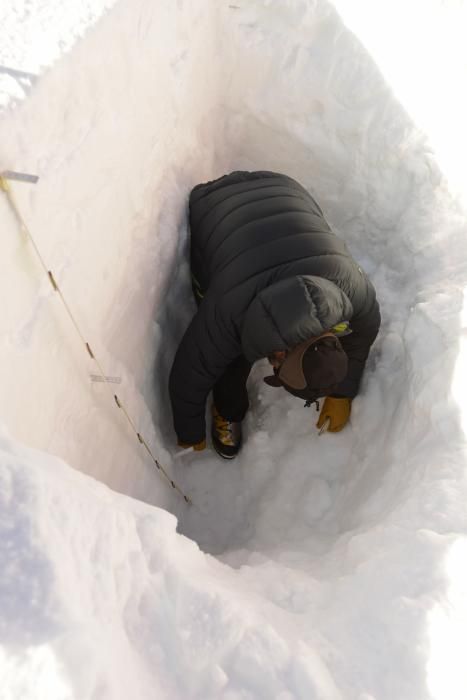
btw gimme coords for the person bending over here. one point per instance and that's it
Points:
(271, 280)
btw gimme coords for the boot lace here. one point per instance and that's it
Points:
(224, 429)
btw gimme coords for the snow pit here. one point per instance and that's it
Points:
(339, 567)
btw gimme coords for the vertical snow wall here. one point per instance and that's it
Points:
(118, 131)
(152, 100)
(149, 102)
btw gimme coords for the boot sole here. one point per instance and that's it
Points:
(224, 456)
(218, 450)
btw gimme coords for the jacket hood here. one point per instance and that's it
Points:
(289, 312)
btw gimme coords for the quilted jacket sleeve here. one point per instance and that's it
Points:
(357, 346)
(206, 350)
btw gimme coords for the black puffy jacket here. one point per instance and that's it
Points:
(273, 274)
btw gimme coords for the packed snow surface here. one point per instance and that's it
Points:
(339, 567)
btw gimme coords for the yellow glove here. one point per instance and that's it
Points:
(337, 411)
(198, 446)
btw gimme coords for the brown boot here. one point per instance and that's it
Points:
(226, 435)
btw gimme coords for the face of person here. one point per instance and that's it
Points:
(277, 358)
